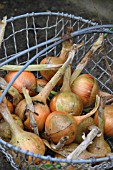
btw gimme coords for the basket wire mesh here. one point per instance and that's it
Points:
(28, 39)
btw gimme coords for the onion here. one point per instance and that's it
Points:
(59, 124)
(41, 109)
(25, 79)
(86, 87)
(66, 100)
(20, 138)
(66, 46)
(108, 120)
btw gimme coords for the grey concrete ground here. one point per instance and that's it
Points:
(95, 10)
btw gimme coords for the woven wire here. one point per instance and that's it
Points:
(32, 29)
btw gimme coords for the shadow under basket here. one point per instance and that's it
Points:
(28, 39)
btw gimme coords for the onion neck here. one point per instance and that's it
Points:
(66, 80)
(64, 54)
(87, 58)
(79, 119)
(101, 114)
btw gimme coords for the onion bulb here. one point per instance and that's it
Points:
(66, 47)
(86, 87)
(108, 120)
(25, 79)
(66, 100)
(59, 124)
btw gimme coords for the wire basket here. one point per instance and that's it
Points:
(28, 39)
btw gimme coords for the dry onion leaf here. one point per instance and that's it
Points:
(2, 29)
(65, 151)
(89, 55)
(30, 107)
(87, 141)
(68, 149)
(32, 67)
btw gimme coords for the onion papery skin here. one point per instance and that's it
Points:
(108, 120)
(86, 87)
(25, 79)
(66, 101)
(41, 113)
(59, 124)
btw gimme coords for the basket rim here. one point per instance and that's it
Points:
(48, 157)
(62, 14)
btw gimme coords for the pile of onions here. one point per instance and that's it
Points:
(108, 120)
(41, 109)
(25, 79)
(62, 119)
(86, 87)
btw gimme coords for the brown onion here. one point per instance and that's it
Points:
(40, 114)
(25, 79)
(66, 100)
(66, 46)
(86, 87)
(59, 124)
(108, 120)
